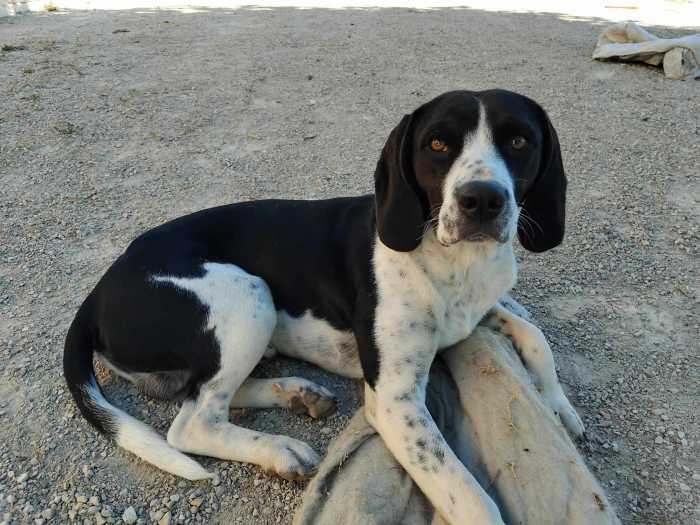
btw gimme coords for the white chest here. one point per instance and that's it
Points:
(456, 286)
(460, 305)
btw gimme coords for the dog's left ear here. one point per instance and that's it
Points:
(544, 203)
(400, 213)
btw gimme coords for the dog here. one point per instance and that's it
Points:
(367, 287)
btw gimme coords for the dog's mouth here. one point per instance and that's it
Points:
(450, 233)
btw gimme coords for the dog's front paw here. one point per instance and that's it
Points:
(567, 414)
(293, 460)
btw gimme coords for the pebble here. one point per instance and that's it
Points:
(22, 478)
(129, 516)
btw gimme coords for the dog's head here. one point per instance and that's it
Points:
(476, 167)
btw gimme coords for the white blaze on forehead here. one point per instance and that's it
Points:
(479, 158)
(479, 143)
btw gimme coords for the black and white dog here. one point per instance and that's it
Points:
(369, 286)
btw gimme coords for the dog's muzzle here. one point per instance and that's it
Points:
(482, 212)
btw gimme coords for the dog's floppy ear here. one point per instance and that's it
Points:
(544, 203)
(400, 214)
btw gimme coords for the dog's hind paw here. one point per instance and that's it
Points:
(304, 397)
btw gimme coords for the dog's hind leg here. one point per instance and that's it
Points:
(242, 317)
(301, 396)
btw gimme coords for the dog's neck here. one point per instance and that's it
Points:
(451, 267)
(454, 263)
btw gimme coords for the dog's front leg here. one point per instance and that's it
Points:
(536, 354)
(397, 411)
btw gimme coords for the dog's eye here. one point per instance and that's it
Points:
(438, 145)
(519, 143)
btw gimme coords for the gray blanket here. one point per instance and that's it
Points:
(491, 415)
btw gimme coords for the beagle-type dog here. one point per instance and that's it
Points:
(367, 287)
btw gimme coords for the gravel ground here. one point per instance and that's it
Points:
(111, 123)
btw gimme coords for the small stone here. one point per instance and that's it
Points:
(197, 502)
(94, 501)
(165, 520)
(28, 508)
(684, 487)
(80, 498)
(175, 498)
(22, 477)
(129, 516)
(659, 440)
(47, 514)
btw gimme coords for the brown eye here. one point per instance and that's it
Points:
(519, 143)
(438, 145)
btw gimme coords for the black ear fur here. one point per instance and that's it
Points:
(544, 203)
(400, 214)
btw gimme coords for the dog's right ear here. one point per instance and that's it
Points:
(400, 214)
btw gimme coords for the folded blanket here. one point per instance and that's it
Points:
(629, 41)
(492, 416)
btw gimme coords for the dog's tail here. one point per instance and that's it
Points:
(128, 432)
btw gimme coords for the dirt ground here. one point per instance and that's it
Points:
(112, 122)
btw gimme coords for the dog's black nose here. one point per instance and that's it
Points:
(482, 200)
